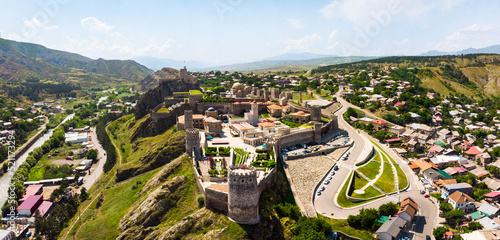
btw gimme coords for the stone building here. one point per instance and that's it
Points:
(243, 195)
(252, 117)
(315, 113)
(193, 147)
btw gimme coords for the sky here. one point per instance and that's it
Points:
(230, 31)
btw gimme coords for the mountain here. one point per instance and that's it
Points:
(495, 49)
(19, 61)
(474, 75)
(297, 56)
(159, 63)
(287, 64)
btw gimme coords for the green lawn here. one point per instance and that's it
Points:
(342, 199)
(359, 181)
(306, 126)
(386, 181)
(291, 124)
(341, 225)
(402, 181)
(371, 169)
(369, 193)
(305, 96)
(194, 92)
(163, 110)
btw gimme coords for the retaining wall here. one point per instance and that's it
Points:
(303, 136)
(315, 153)
(215, 199)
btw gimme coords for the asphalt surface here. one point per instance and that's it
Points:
(326, 203)
(96, 173)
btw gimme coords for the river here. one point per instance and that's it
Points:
(5, 179)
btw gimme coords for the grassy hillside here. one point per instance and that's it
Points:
(21, 61)
(476, 75)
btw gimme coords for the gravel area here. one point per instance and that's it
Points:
(306, 173)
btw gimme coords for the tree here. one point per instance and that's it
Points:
(5, 166)
(83, 194)
(92, 154)
(439, 232)
(454, 217)
(388, 209)
(446, 207)
(473, 226)
(77, 176)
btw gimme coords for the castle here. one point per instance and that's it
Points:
(228, 185)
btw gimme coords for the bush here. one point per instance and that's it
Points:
(201, 201)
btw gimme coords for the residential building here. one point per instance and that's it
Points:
(408, 209)
(462, 201)
(459, 187)
(488, 210)
(391, 229)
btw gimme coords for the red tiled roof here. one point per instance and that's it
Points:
(433, 148)
(393, 140)
(31, 190)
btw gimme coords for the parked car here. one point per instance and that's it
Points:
(326, 182)
(319, 193)
(426, 195)
(336, 168)
(322, 188)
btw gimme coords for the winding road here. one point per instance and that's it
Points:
(327, 206)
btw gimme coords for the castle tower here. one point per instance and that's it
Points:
(335, 121)
(243, 197)
(188, 119)
(193, 148)
(315, 113)
(300, 97)
(317, 132)
(184, 72)
(252, 117)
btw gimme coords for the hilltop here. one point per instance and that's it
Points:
(21, 61)
(476, 75)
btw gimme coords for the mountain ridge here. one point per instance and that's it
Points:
(19, 60)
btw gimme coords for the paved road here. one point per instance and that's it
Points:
(326, 203)
(97, 172)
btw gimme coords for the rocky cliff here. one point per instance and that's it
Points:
(160, 85)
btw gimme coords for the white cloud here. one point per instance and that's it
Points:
(304, 44)
(93, 24)
(332, 35)
(35, 23)
(475, 35)
(295, 23)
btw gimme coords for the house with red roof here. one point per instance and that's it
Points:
(379, 124)
(473, 151)
(492, 196)
(29, 207)
(35, 189)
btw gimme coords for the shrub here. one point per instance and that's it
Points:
(201, 201)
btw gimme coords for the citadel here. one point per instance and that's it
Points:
(235, 138)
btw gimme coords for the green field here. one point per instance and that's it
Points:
(371, 169)
(341, 225)
(402, 181)
(305, 96)
(291, 124)
(369, 193)
(386, 180)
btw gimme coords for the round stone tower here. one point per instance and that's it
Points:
(244, 194)
(193, 143)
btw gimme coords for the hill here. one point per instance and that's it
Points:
(495, 49)
(475, 75)
(297, 56)
(305, 64)
(20, 61)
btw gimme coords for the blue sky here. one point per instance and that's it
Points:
(226, 31)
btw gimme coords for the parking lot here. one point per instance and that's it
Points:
(305, 148)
